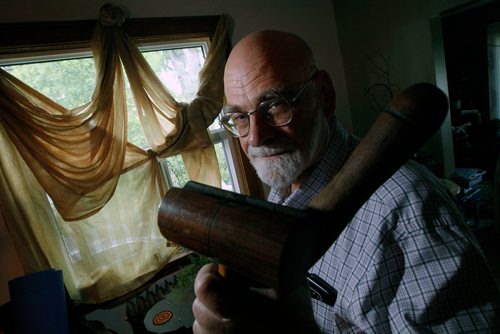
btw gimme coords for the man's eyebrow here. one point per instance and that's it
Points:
(277, 90)
(264, 96)
(231, 109)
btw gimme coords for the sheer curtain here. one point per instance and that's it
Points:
(77, 163)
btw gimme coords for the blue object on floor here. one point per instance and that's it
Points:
(38, 302)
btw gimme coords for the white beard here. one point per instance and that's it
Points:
(280, 170)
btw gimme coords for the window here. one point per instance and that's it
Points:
(69, 79)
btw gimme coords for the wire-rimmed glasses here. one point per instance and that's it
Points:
(277, 111)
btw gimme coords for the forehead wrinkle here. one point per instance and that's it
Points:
(244, 76)
(252, 88)
(262, 96)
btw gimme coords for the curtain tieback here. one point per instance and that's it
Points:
(111, 16)
(151, 154)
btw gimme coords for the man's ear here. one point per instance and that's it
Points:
(328, 93)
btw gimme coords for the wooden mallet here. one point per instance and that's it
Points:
(273, 245)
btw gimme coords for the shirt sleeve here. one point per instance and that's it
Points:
(427, 274)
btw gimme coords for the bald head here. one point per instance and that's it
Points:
(263, 70)
(287, 55)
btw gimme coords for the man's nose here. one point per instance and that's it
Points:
(259, 131)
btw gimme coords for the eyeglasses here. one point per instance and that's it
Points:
(275, 112)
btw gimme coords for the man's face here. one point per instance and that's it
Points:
(279, 155)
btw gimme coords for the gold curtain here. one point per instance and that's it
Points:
(106, 191)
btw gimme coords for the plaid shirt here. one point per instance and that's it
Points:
(406, 262)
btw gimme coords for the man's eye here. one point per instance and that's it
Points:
(239, 118)
(276, 106)
(277, 103)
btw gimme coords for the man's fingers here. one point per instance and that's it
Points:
(209, 322)
(211, 303)
(213, 292)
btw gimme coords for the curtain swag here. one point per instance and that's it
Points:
(78, 155)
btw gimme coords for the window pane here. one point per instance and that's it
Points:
(71, 82)
(178, 70)
(227, 182)
(68, 82)
(178, 175)
(215, 125)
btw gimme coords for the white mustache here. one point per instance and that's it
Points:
(265, 151)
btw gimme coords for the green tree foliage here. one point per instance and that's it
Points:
(67, 82)
(224, 168)
(178, 174)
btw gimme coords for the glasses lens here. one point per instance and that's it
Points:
(236, 123)
(276, 112)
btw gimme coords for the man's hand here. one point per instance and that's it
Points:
(226, 307)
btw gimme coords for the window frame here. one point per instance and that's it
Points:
(18, 41)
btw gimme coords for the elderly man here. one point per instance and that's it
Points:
(405, 263)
